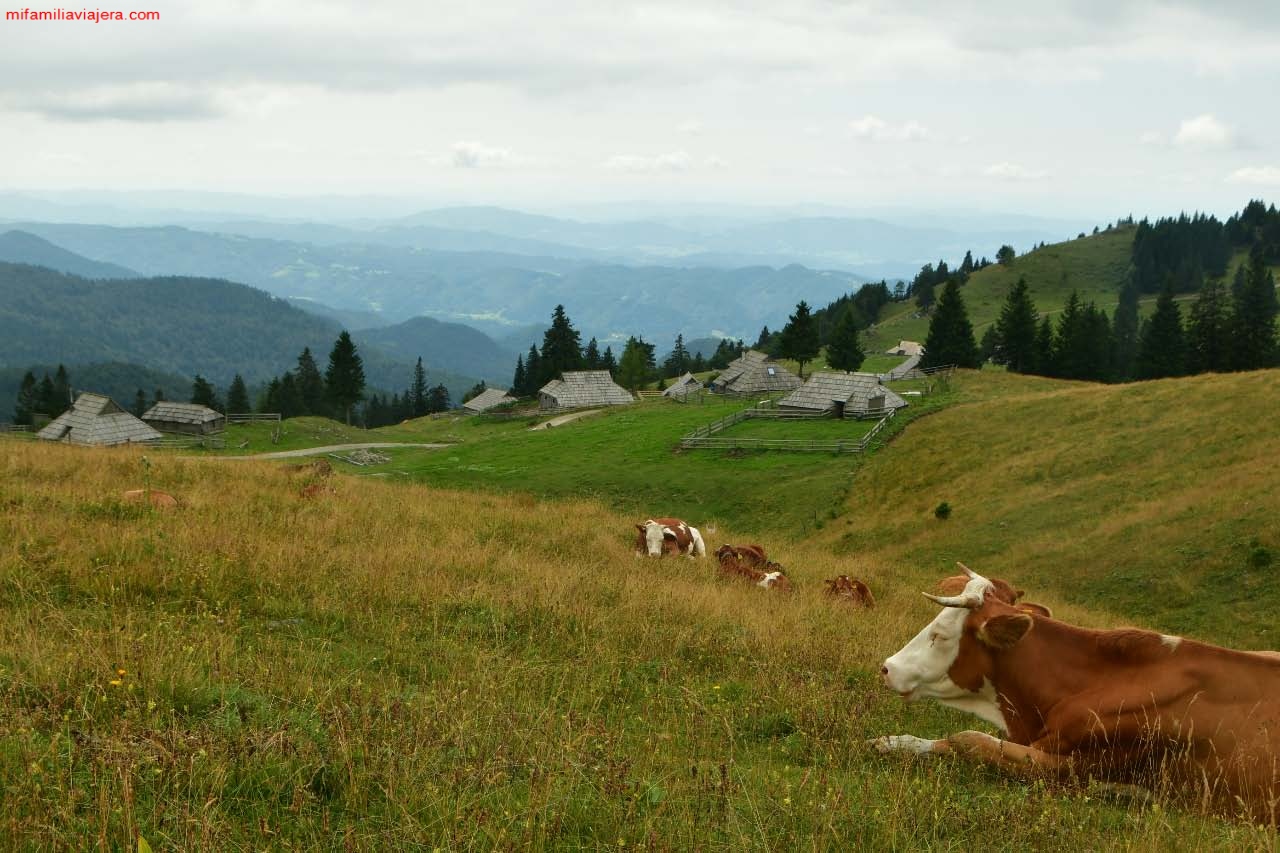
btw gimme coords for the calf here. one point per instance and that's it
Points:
(1120, 706)
(845, 588)
(771, 576)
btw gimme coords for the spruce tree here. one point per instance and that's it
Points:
(438, 399)
(1096, 345)
(203, 393)
(1069, 341)
(1162, 345)
(289, 399)
(1044, 348)
(950, 338)
(634, 368)
(237, 395)
(678, 361)
(310, 383)
(1254, 315)
(1015, 330)
(418, 403)
(762, 342)
(28, 400)
(47, 397)
(799, 339)
(607, 361)
(844, 352)
(561, 347)
(591, 356)
(1124, 333)
(518, 382)
(475, 391)
(533, 373)
(60, 399)
(1209, 330)
(269, 402)
(990, 344)
(139, 407)
(1006, 256)
(344, 378)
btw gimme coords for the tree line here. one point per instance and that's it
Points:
(1225, 329)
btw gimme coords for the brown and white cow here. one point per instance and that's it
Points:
(155, 497)
(659, 536)
(1120, 706)
(770, 576)
(845, 588)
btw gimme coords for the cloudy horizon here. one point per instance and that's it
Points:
(1089, 110)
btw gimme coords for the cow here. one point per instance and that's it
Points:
(771, 576)
(845, 588)
(315, 490)
(155, 497)
(1121, 706)
(659, 536)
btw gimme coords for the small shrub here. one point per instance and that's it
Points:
(1260, 557)
(942, 511)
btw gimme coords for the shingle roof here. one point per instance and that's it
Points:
(487, 399)
(95, 419)
(181, 413)
(906, 348)
(753, 372)
(577, 388)
(682, 386)
(855, 390)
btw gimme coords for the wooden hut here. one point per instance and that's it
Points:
(753, 372)
(185, 418)
(683, 386)
(843, 394)
(487, 399)
(94, 419)
(577, 389)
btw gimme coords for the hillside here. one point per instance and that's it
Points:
(460, 347)
(258, 670)
(19, 247)
(1095, 266)
(176, 325)
(117, 380)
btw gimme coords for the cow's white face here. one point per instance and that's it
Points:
(919, 670)
(653, 534)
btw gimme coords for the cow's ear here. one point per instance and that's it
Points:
(1035, 609)
(1018, 593)
(1004, 630)
(640, 527)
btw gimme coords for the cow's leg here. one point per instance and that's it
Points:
(990, 750)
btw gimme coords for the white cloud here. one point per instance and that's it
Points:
(877, 129)
(1154, 138)
(1266, 176)
(1204, 132)
(134, 102)
(474, 155)
(692, 127)
(674, 161)
(1007, 171)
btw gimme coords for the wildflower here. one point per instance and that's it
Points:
(121, 672)
(115, 682)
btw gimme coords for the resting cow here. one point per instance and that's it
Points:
(771, 576)
(155, 497)
(845, 588)
(659, 536)
(1124, 706)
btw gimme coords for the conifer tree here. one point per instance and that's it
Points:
(1096, 345)
(28, 400)
(1209, 330)
(1044, 348)
(678, 361)
(591, 356)
(60, 399)
(1254, 315)
(1068, 342)
(289, 400)
(1005, 257)
(475, 391)
(418, 403)
(844, 352)
(634, 368)
(344, 378)
(1161, 344)
(269, 400)
(799, 339)
(762, 342)
(533, 373)
(607, 361)
(1015, 330)
(561, 347)
(47, 397)
(438, 399)
(1124, 333)
(950, 338)
(203, 393)
(518, 381)
(310, 383)
(158, 397)
(139, 407)
(237, 395)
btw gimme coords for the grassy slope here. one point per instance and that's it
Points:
(395, 665)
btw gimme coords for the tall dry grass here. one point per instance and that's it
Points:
(398, 667)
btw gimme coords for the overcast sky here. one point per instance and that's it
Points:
(1087, 108)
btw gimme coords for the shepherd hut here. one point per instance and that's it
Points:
(753, 372)
(487, 399)
(843, 394)
(577, 389)
(184, 418)
(94, 419)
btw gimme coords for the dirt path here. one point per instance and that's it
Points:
(564, 419)
(332, 448)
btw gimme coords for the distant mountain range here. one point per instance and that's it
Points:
(608, 301)
(21, 247)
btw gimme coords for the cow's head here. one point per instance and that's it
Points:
(650, 539)
(951, 659)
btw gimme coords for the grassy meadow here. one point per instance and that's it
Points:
(467, 658)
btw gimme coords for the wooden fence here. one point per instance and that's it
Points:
(189, 442)
(15, 428)
(707, 438)
(250, 417)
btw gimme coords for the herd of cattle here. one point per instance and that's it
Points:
(1120, 707)
(658, 537)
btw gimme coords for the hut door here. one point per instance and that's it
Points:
(838, 408)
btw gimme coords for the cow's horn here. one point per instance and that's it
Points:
(968, 571)
(966, 601)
